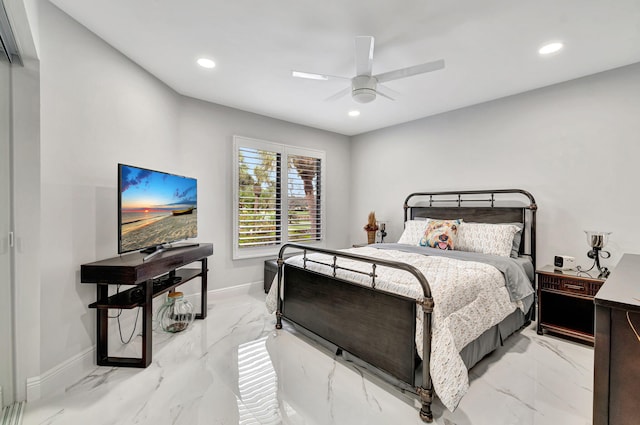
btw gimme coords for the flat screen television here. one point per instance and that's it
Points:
(154, 209)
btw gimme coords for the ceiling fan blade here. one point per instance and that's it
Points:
(338, 95)
(314, 76)
(388, 90)
(384, 92)
(408, 72)
(364, 55)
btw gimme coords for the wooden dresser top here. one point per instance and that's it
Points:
(622, 288)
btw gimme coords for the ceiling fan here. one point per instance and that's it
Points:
(364, 86)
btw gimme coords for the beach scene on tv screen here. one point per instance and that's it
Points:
(156, 208)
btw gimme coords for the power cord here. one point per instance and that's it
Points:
(135, 325)
(582, 270)
(632, 327)
(117, 317)
(119, 310)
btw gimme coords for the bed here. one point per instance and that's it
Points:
(420, 317)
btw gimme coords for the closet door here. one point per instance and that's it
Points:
(6, 296)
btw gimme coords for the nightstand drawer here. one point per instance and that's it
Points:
(567, 284)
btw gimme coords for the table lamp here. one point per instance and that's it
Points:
(597, 241)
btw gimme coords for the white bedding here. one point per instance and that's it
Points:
(470, 297)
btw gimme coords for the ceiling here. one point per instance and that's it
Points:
(490, 49)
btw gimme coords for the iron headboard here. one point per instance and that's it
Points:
(483, 206)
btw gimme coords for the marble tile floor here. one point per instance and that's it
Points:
(235, 368)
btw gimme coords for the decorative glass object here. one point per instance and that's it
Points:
(597, 241)
(176, 314)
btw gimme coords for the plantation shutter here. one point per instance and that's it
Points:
(278, 196)
(304, 198)
(259, 187)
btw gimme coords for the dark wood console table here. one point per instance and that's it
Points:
(149, 279)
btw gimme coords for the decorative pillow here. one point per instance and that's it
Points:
(413, 231)
(440, 234)
(485, 238)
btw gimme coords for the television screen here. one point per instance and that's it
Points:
(155, 208)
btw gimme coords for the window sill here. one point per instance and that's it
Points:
(272, 252)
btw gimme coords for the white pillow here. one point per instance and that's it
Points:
(485, 238)
(413, 231)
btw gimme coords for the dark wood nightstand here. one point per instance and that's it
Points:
(565, 302)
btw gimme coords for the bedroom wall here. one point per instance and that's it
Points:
(573, 145)
(98, 109)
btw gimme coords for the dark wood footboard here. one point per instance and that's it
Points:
(376, 326)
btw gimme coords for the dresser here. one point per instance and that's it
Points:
(616, 386)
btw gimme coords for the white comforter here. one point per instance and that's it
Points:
(470, 297)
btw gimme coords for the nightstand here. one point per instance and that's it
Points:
(565, 302)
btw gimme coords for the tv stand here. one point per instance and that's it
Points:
(150, 278)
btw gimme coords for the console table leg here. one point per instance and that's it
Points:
(203, 291)
(147, 322)
(102, 325)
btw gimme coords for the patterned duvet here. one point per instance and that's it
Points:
(470, 297)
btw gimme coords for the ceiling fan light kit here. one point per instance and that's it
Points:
(365, 87)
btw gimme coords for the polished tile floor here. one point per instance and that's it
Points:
(235, 368)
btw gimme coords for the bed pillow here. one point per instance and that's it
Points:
(413, 231)
(517, 239)
(441, 234)
(485, 238)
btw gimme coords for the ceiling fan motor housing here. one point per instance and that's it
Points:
(363, 88)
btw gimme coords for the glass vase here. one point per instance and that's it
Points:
(176, 314)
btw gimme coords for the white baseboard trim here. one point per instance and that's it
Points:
(58, 378)
(234, 291)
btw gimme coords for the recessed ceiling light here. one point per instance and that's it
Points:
(206, 63)
(547, 49)
(354, 113)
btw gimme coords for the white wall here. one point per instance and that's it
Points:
(574, 146)
(98, 109)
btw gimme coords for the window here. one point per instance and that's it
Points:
(278, 196)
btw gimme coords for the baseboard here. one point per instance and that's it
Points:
(58, 378)
(234, 291)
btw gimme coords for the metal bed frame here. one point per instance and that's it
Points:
(322, 303)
